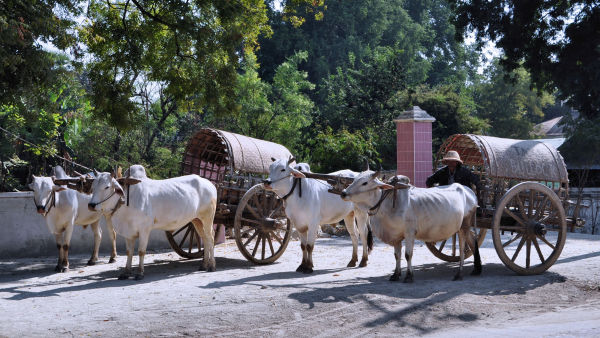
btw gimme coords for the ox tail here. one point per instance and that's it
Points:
(369, 237)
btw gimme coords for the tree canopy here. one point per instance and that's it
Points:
(557, 42)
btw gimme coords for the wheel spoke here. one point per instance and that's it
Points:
(539, 213)
(511, 240)
(518, 249)
(528, 254)
(271, 245)
(276, 236)
(251, 238)
(543, 238)
(264, 244)
(531, 204)
(515, 217)
(250, 220)
(539, 251)
(184, 236)
(247, 231)
(521, 205)
(180, 229)
(276, 210)
(191, 242)
(256, 245)
(442, 245)
(254, 212)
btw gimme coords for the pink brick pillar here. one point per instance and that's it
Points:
(413, 145)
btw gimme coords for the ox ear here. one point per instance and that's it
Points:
(131, 181)
(385, 186)
(298, 174)
(117, 186)
(273, 159)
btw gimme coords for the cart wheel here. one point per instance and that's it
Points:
(529, 213)
(186, 241)
(449, 251)
(262, 230)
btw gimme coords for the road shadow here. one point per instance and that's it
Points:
(76, 281)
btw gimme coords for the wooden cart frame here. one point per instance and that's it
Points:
(523, 200)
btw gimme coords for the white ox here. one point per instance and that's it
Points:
(63, 208)
(156, 204)
(429, 215)
(317, 206)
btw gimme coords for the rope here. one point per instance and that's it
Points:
(35, 145)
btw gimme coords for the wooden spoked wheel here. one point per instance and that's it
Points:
(448, 250)
(186, 241)
(529, 228)
(262, 230)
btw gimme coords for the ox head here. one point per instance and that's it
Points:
(43, 189)
(364, 187)
(279, 170)
(106, 186)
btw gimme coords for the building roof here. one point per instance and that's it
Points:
(549, 129)
(414, 114)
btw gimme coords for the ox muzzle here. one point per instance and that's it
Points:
(92, 206)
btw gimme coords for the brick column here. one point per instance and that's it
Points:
(413, 145)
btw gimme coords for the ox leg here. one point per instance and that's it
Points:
(367, 242)
(408, 252)
(472, 242)
(351, 227)
(58, 237)
(142, 245)
(65, 247)
(97, 238)
(205, 227)
(310, 244)
(130, 245)
(461, 247)
(303, 240)
(113, 239)
(398, 255)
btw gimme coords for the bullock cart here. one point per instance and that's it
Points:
(236, 164)
(523, 200)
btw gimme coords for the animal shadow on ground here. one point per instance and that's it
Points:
(74, 281)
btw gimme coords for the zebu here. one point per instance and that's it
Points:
(315, 207)
(429, 215)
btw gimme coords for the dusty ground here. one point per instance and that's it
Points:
(246, 300)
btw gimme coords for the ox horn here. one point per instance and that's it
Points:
(375, 174)
(96, 172)
(292, 159)
(273, 159)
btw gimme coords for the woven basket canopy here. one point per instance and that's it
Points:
(213, 153)
(509, 158)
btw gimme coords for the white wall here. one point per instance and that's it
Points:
(23, 232)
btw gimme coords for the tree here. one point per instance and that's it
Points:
(192, 48)
(556, 41)
(26, 66)
(511, 107)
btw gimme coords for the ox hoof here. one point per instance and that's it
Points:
(363, 263)
(64, 269)
(202, 268)
(124, 276)
(112, 260)
(57, 268)
(408, 279)
(476, 272)
(457, 277)
(139, 277)
(351, 264)
(91, 262)
(211, 269)
(300, 268)
(395, 277)
(308, 270)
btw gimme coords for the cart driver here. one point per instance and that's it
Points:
(453, 172)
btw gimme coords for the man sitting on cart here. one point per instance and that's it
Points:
(453, 172)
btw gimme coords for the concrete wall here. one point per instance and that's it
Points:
(23, 232)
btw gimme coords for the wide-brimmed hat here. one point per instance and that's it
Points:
(451, 155)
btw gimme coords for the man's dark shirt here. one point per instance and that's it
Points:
(462, 175)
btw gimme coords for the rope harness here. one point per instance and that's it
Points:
(373, 210)
(298, 182)
(51, 199)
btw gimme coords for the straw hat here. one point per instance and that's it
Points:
(451, 155)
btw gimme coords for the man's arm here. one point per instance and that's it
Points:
(433, 179)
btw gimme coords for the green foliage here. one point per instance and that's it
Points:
(510, 106)
(342, 149)
(582, 148)
(556, 41)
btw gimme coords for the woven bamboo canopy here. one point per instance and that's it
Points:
(509, 158)
(213, 153)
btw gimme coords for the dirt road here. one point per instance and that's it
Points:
(241, 299)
